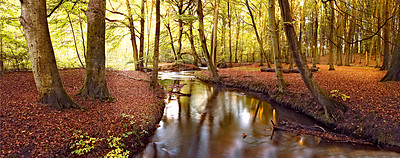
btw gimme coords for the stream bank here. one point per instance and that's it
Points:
(371, 118)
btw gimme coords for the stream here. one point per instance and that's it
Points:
(204, 121)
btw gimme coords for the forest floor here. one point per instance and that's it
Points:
(374, 107)
(30, 129)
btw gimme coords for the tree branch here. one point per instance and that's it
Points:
(54, 9)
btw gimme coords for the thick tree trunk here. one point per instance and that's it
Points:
(393, 74)
(47, 79)
(330, 106)
(154, 76)
(210, 64)
(275, 46)
(386, 51)
(95, 85)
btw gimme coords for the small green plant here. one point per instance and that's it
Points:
(337, 93)
(82, 143)
(118, 147)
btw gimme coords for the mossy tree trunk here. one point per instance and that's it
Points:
(47, 79)
(95, 85)
(275, 46)
(330, 106)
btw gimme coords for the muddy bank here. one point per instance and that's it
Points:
(177, 67)
(369, 117)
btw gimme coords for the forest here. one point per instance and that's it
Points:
(82, 77)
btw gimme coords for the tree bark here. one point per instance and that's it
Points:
(1, 55)
(386, 51)
(45, 72)
(259, 39)
(95, 85)
(210, 64)
(330, 106)
(315, 37)
(141, 38)
(131, 26)
(153, 82)
(331, 35)
(230, 34)
(215, 33)
(192, 47)
(275, 46)
(393, 74)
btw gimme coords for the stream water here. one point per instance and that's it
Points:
(203, 121)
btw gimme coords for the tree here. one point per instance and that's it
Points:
(330, 106)
(210, 64)
(153, 81)
(275, 46)
(95, 85)
(331, 34)
(214, 33)
(45, 72)
(393, 74)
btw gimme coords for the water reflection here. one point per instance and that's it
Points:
(204, 121)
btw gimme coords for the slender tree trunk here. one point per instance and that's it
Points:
(315, 36)
(230, 35)
(45, 72)
(153, 82)
(172, 41)
(141, 38)
(83, 39)
(215, 33)
(275, 46)
(1, 55)
(203, 40)
(329, 105)
(259, 40)
(95, 85)
(149, 22)
(331, 35)
(192, 47)
(237, 38)
(133, 36)
(73, 36)
(378, 40)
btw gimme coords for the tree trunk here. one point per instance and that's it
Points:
(95, 85)
(230, 35)
(210, 64)
(259, 40)
(73, 36)
(215, 33)
(172, 40)
(1, 55)
(393, 74)
(153, 82)
(192, 47)
(131, 25)
(141, 38)
(329, 105)
(275, 46)
(237, 38)
(315, 37)
(386, 51)
(331, 35)
(45, 72)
